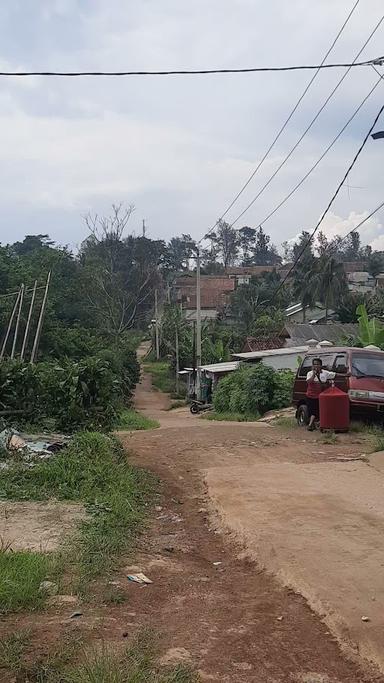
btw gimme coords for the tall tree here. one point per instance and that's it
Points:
(302, 288)
(178, 252)
(329, 282)
(225, 243)
(247, 238)
(263, 252)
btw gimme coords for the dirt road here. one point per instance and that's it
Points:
(287, 503)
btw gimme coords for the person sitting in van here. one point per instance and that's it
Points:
(317, 380)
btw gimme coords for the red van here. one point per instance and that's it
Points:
(365, 385)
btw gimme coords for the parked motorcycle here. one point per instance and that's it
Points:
(197, 407)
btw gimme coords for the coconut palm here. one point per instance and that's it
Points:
(328, 282)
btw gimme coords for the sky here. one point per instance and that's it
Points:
(180, 148)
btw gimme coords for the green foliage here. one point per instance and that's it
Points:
(21, 574)
(131, 419)
(371, 331)
(94, 470)
(161, 376)
(88, 392)
(253, 389)
(229, 417)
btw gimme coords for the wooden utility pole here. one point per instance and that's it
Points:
(157, 328)
(40, 321)
(27, 326)
(177, 359)
(2, 352)
(17, 321)
(198, 326)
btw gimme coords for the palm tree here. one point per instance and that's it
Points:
(302, 289)
(328, 282)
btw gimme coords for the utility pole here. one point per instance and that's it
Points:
(198, 325)
(157, 328)
(17, 321)
(10, 325)
(27, 326)
(177, 359)
(40, 321)
(143, 227)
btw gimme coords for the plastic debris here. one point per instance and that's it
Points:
(139, 578)
(365, 619)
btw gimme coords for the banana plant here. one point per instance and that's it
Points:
(371, 331)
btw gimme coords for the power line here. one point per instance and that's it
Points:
(295, 146)
(296, 187)
(195, 72)
(340, 185)
(283, 127)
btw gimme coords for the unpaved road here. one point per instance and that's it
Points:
(210, 602)
(297, 507)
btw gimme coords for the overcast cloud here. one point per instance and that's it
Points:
(180, 148)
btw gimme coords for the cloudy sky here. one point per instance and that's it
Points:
(180, 148)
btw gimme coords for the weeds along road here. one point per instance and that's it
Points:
(241, 497)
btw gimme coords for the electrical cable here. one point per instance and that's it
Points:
(195, 72)
(296, 187)
(287, 157)
(283, 127)
(335, 194)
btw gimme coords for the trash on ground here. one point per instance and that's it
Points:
(139, 578)
(216, 564)
(48, 588)
(365, 619)
(74, 615)
(31, 447)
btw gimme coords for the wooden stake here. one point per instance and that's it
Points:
(27, 326)
(10, 325)
(40, 321)
(17, 321)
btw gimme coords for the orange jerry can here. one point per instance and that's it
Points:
(334, 409)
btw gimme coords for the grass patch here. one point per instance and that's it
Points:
(136, 665)
(130, 419)
(285, 422)
(21, 574)
(378, 444)
(12, 649)
(94, 470)
(161, 376)
(328, 438)
(229, 417)
(71, 663)
(177, 404)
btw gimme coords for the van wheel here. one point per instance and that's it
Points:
(302, 415)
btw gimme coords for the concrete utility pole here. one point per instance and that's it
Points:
(40, 321)
(28, 324)
(143, 227)
(15, 305)
(198, 326)
(177, 359)
(17, 321)
(157, 328)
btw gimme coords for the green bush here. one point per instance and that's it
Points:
(86, 393)
(253, 389)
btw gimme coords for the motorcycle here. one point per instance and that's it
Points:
(197, 407)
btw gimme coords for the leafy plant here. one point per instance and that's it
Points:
(371, 331)
(253, 389)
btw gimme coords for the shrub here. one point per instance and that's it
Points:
(253, 389)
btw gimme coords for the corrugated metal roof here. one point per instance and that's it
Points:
(301, 333)
(271, 352)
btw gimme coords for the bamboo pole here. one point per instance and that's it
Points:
(27, 326)
(40, 321)
(4, 346)
(17, 321)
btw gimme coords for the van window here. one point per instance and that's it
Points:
(340, 365)
(327, 360)
(306, 366)
(367, 365)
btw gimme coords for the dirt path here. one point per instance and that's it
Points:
(213, 606)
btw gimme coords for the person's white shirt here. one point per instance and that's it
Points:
(325, 376)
